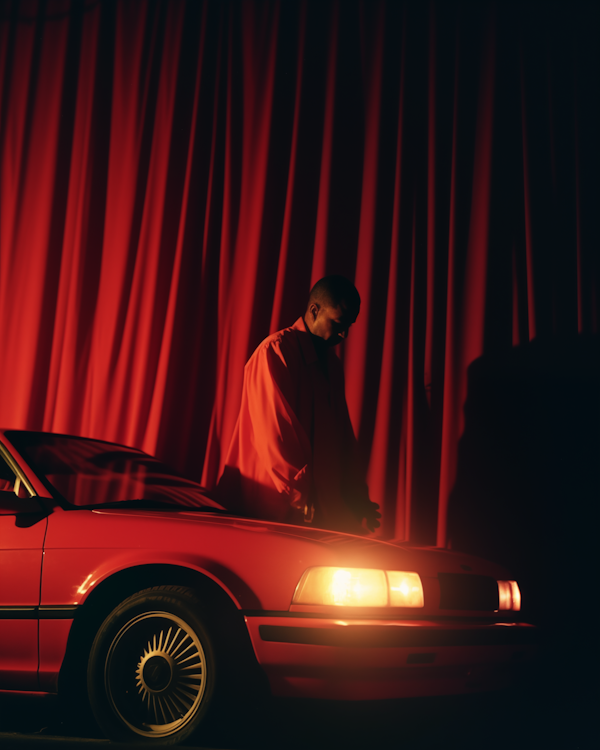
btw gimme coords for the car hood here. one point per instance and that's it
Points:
(258, 562)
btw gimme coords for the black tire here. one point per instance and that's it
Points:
(152, 670)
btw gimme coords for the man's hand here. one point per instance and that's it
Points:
(371, 514)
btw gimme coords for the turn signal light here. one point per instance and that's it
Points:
(359, 587)
(509, 595)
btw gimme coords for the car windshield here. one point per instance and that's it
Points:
(91, 473)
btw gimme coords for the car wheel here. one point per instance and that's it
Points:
(152, 668)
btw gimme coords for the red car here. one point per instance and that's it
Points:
(124, 582)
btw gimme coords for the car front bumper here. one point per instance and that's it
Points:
(375, 659)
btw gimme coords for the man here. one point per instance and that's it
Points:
(293, 455)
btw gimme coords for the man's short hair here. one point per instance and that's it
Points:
(333, 290)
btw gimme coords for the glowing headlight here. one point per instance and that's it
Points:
(509, 595)
(359, 587)
(406, 589)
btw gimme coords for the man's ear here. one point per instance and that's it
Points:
(314, 310)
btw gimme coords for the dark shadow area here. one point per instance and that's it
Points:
(527, 494)
(527, 488)
(520, 719)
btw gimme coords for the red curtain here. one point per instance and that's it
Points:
(175, 175)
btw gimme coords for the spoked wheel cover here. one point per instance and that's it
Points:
(155, 674)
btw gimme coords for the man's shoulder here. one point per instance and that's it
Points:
(286, 341)
(286, 334)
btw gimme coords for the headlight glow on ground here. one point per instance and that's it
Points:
(359, 587)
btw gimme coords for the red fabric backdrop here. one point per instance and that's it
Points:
(175, 175)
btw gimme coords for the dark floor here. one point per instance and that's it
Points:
(556, 708)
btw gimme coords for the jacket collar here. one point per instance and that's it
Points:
(308, 350)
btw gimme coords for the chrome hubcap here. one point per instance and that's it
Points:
(155, 674)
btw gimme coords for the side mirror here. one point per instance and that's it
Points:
(11, 505)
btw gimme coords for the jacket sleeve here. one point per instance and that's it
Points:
(278, 439)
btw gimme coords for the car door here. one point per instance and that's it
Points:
(22, 530)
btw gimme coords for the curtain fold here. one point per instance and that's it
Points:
(174, 175)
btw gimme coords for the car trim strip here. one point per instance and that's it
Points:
(38, 613)
(373, 636)
(354, 614)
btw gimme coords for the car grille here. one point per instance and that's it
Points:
(460, 591)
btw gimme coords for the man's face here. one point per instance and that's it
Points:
(332, 323)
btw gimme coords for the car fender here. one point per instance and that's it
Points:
(70, 576)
